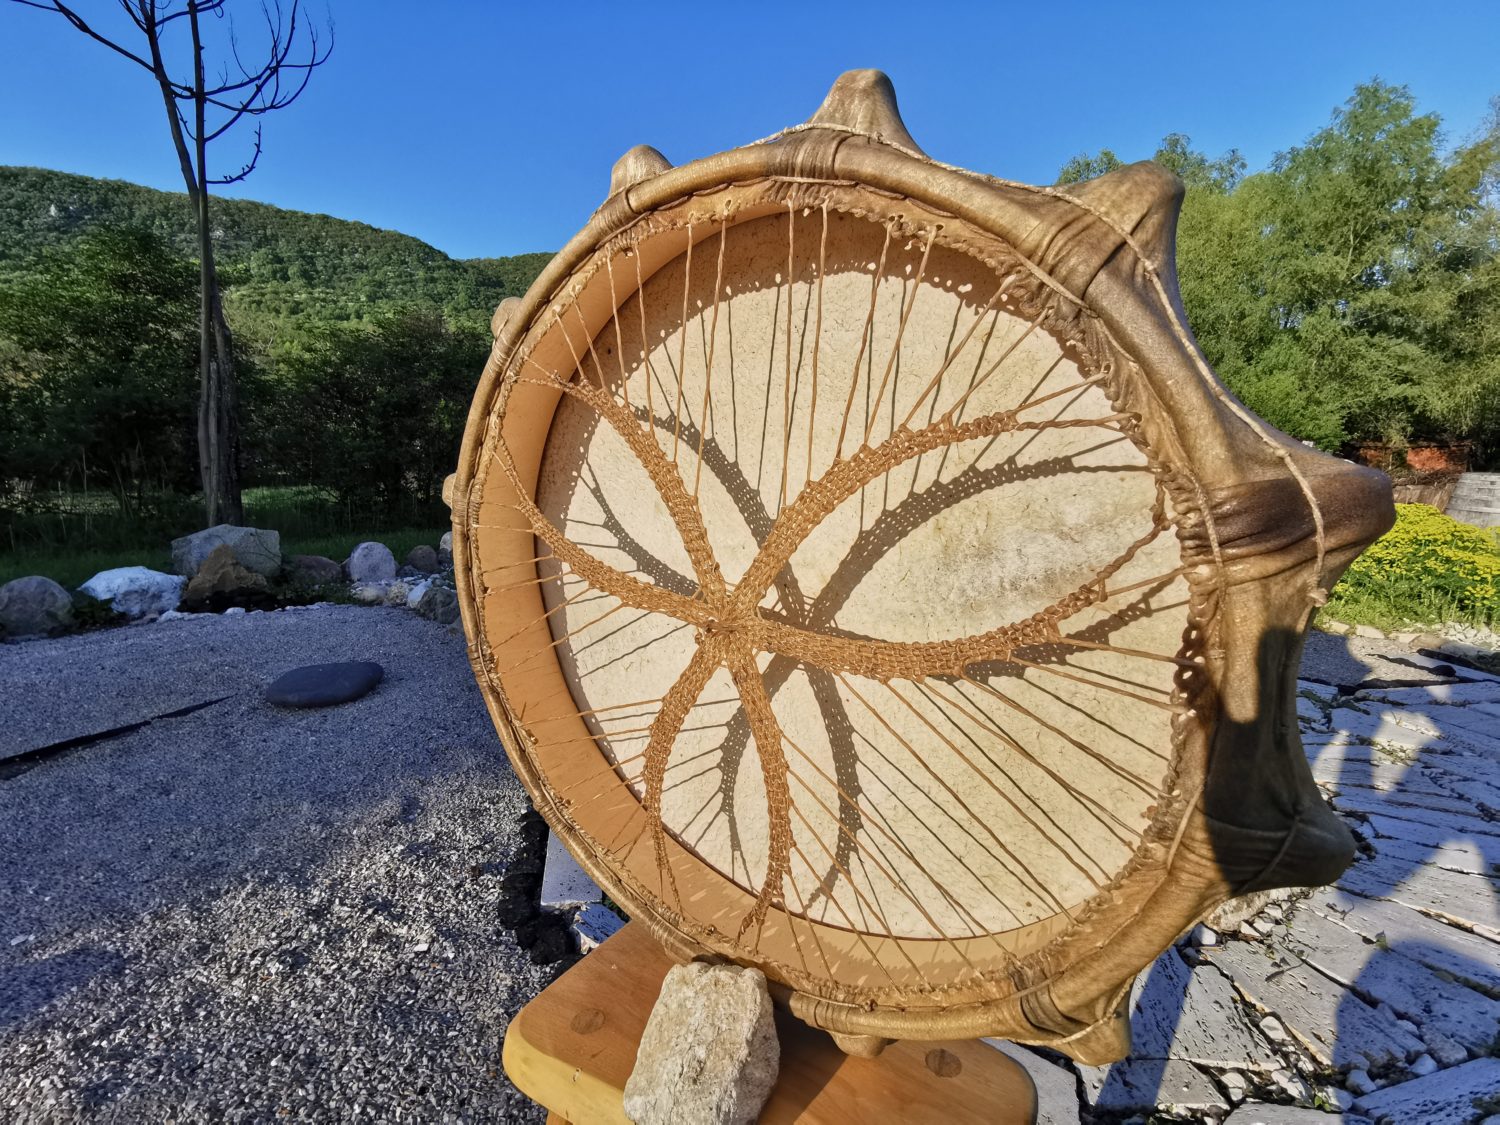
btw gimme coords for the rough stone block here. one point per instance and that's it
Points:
(254, 549)
(1444, 1098)
(709, 1053)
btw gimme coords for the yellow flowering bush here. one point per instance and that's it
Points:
(1428, 568)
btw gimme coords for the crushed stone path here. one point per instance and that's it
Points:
(248, 913)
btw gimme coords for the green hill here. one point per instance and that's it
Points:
(279, 265)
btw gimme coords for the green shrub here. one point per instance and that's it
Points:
(1427, 569)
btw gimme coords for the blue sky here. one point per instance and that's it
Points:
(488, 128)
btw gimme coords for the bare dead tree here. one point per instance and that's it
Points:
(200, 110)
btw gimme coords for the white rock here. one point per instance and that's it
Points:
(446, 542)
(369, 593)
(254, 549)
(34, 606)
(1273, 1029)
(1234, 1085)
(234, 611)
(414, 595)
(396, 594)
(709, 1052)
(136, 591)
(371, 562)
(1369, 633)
(1422, 1065)
(1360, 1082)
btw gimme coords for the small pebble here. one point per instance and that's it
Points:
(1422, 1065)
(1360, 1082)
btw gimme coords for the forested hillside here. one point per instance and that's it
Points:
(278, 264)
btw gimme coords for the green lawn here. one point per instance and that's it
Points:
(71, 567)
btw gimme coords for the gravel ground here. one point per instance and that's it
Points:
(245, 913)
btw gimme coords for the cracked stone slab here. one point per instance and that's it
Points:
(1468, 957)
(1191, 1015)
(1264, 1113)
(1444, 1098)
(1056, 1086)
(1349, 726)
(1413, 991)
(1472, 901)
(1478, 855)
(1151, 1084)
(1337, 1027)
(1457, 825)
(1402, 802)
(1461, 763)
(1399, 784)
(1462, 694)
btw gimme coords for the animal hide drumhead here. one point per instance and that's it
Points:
(860, 563)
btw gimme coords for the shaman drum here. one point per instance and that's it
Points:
(871, 583)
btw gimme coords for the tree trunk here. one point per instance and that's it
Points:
(218, 406)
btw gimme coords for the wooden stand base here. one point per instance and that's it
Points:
(573, 1047)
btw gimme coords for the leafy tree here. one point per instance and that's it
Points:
(1350, 292)
(1085, 167)
(97, 368)
(372, 411)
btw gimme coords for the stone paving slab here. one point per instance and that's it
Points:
(1192, 1015)
(1337, 1027)
(1466, 956)
(1457, 824)
(1466, 856)
(1152, 1084)
(1470, 901)
(1385, 976)
(1261, 1113)
(1448, 1097)
(1422, 698)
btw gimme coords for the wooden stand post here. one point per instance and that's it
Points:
(573, 1047)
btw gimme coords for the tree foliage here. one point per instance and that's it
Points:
(98, 368)
(285, 269)
(1351, 291)
(372, 411)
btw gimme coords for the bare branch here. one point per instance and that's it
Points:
(249, 167)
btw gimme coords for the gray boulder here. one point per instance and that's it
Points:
(136, 591)
(439, 603)
(254, 549)
(34, 606)
(445, 550)
(423, 559)
(371, 562)
(314, 570)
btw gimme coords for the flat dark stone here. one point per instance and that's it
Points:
(323, 685)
